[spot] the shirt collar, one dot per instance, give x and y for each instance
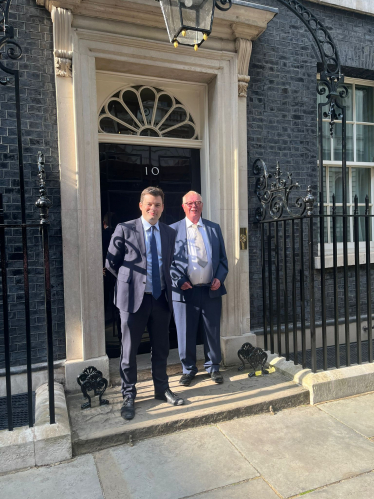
(189, 223)
(147, 225)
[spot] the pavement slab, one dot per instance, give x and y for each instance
(75, 479)
(172, 467)
(360, 487)
(355, 412)
(205, 403)
(300, 450)
(254, 489)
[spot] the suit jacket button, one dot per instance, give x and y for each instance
(144, 282)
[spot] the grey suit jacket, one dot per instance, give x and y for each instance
(179, 267)
(127, 261)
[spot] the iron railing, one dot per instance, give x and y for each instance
(300, 297)
(13, 52)
(43, 204)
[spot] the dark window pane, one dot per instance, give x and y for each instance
(361, 183)
(117, 110)
(181, 132)
(365, 143)
(338, 155)
(148, 99)
(178, 115)
(339, 225)
(326, 143)
(131, 100)
(111, 126)
(164, 104)
(336, 184)
(365, 104)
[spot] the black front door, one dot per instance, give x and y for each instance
(125, 170)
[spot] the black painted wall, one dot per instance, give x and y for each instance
(39, 133)
(282, 115)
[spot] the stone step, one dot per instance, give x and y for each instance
(205, 403)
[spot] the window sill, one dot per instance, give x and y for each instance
(329, 261)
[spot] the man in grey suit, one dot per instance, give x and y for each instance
(198, 272)
(139, 256)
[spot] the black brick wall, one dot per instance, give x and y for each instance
(39, 132)
(282, 116)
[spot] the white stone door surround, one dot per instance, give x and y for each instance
(223, 170)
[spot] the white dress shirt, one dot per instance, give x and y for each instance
(196, 273)
(147, 238)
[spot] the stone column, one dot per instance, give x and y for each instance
(231, 344)
(84, 345)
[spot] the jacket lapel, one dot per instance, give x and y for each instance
(212, 240)
(182, 237)
(138, 229)
(164, 243)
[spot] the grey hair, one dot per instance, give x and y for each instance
(191, 192)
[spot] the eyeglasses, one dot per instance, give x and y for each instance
(192, 203)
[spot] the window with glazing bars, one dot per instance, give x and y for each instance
(360, 157)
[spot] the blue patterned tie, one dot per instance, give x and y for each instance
(156, 281)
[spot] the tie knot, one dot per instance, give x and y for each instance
(194, 226)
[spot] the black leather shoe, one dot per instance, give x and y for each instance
(169, 397)
(216, 377)
(186, 379)
(128, 409)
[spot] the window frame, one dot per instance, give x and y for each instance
(350, 164)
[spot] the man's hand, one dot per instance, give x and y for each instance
(215, 284)
(186, 285)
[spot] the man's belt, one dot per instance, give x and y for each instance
(201, 285)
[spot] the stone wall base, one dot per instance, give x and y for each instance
(230, 346)
(44, 443)
(328, 385)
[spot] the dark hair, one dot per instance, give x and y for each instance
(110, 219)
(154, 191)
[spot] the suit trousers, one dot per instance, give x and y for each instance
(198, 307)
(155, 315)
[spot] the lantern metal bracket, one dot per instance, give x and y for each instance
(12, 48)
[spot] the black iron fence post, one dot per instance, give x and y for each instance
(43, 203)
(5, 317)
(368, 278)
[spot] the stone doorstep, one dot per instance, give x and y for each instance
(205, 403)
(327, 385)
(44, 443)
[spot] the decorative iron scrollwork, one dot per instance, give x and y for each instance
(255, 356)
(91, 379)
(331, 78)
(12, 48)
(43, 203)
(334, 90)
(325, 43)
(275, 195)
(223, 4)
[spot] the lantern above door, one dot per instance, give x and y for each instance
(189, 22)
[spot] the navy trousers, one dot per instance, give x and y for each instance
(155, 315)
(199, 307)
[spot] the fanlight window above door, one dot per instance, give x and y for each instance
(148, 112)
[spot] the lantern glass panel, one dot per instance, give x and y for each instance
(194, 16)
